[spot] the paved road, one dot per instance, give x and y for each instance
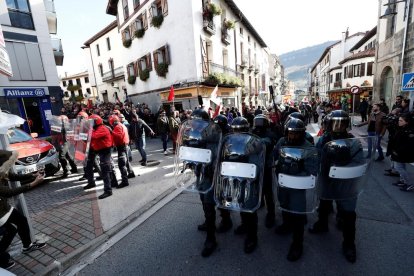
(167, 243)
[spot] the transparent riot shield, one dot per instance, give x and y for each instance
(196, 155)
(57, 132)
(82, 139)
(239, 174)
(296, 170)
(345, 168)
(70, 127)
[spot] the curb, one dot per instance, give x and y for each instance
(57, 267)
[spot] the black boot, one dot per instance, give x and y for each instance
(270, 220)
(226, 224)
(285, 228)
(348, 245)
(202, 227)
(250, 242)
(89, 186)
(210, 246)
(296, 248)
(321, 226)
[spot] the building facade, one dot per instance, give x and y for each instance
(191, 46)
(395, 55)
(78, 88)
(33, 91)
(106, 70)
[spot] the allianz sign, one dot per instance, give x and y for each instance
(24, 92)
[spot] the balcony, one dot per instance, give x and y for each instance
(51, 16)
(209, 26)
(225, 37)
(217, 68)
(113, 74)
(57, 51)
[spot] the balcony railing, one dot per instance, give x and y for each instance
(113, 74)
(57, 51)
(209, 26)
(51, 16)
(217, 68)
(225, 37)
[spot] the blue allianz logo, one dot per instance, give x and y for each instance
(24, 92)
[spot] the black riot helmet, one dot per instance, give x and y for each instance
(337, 121)
(295, 131)
(260, 123)
(200, 113)
(296, 115)
(221, 121)
(240, 124)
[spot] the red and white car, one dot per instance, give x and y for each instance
(34, 154)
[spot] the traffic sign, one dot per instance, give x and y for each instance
(407, 82)
(355, 90)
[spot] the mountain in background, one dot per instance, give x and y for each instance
(297, 63)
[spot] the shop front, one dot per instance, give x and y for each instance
(32, 104)
(346, 99)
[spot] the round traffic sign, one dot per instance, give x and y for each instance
(355, 89)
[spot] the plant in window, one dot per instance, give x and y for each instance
(140, 33)
(229, 24)
(79, 98)
(210, 11)
(162, 69)
(127, 43)
(144, 75)
(157, 20)
(132, 79)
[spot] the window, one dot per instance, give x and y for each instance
(26, 61)
(162, 60)
(390, 29)
(362, 72)
(136, 3)
(20, 14)
(369, 68)
(131, 70)
(248, 38)
(241, 31)
(145, 63)
(111, 64)
(350, 71)
(126, 34)
(100, 69)
(97, 50)
(80, 93)
(357, 70)
(70, 83)
(86, 79)
(78, 82)
(64, 83)
(125, 8)
(88, 90)
(338, 77)
(108, 43)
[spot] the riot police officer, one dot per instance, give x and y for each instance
(293, 200)
(335, 147)
(201, 134)
(248, 220)
(261, 127)
(300, 116)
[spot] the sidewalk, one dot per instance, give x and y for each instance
(73, 221)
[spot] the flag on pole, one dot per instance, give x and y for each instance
(171, 94)
(213, 96)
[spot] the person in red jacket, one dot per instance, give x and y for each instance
(121, 140)
(101, 143)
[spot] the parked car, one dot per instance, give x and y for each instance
(34, 154)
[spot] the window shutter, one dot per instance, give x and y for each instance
(362, 70)
(145, 20)
(167, 54)
(150, 15)
(128, 70)
(345, 73)
(139, 67)
(149, 63)
(155, 55)
(164, 6)
(350, 71)
(369, 68)
(133, 28)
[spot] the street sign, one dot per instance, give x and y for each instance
(407, 82)
(355, 90)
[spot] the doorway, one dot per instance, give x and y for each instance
(387, 83)
(33, 115)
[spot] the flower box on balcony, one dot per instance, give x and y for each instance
(157, 20)
(132, 79)
(144, 75)
(139, 33)
(162, 69)
(127, 43)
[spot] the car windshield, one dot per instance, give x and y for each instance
(17, 136)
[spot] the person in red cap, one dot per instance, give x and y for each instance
(101, 143)
(121, 140)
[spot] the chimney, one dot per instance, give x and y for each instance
(347, 33)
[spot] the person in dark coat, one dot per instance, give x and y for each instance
(363, 109)
(403, 151)
(137, 134)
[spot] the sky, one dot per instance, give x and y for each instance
(284, 25)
